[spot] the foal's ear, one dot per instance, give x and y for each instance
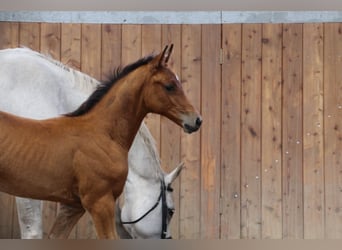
(170, 177)
(163, 57)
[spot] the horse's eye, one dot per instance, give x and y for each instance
(169, 188)
(170, 87)
(171, 211)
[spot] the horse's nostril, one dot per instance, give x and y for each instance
(198, 121)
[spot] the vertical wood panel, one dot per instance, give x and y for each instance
(91, 50)
(131, 47)
(169, 131)
(111, 49)
(29, 35)
(230, 132)
(333, 129)
(210, 131)
(292, 132)
(271, 131)
(190, 210)
(251, 132)
(71, 45)
(50, 39)
(9, 35)
(313, 131)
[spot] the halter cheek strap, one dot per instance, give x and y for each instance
(164, 210)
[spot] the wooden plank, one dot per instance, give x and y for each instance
(9, 35)
(131, 45)
(151, 42)
(111, 49)
(71, 45)
(292, 132)
(230, 132)
(169, 131)
(210, 131)
(271, 131)
(91, 65)
(6, 216)
(333, 129)
(190, 193)
(91, 50)
(50, 38)
(251, 132)
(29, 35)
(313, 162)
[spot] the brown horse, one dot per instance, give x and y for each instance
(80, 159)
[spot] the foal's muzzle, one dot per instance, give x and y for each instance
(193, 126)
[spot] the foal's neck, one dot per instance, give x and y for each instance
(121, 110)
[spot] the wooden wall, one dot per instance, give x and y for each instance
(267, 162)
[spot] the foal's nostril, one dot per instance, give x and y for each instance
(198, 121)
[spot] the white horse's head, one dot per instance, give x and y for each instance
(148, 204)
(155, 208)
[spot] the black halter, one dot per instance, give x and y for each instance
(162, 197)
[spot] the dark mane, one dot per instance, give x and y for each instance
(105, 86)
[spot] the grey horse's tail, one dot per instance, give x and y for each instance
(123, 234)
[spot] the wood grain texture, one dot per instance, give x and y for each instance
(333, 129)
(210, 131)
(9, 35)
(71, 45)
(251, 132)
(271, 171)
(292, 131)
(190, 178)
(313, 152)
(230, 197)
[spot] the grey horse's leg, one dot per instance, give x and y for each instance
(30, 218)
(66, 220)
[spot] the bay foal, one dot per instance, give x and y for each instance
(80, 159)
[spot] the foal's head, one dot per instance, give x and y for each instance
(163, 94)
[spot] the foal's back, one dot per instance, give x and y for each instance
(36, 157)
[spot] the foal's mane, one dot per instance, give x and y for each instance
(105, 86)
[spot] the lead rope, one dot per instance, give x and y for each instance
(145, 214)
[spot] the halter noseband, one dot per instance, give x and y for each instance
(162, 197)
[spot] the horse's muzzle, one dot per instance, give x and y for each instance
(193, 128)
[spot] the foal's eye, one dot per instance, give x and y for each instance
(170, 87)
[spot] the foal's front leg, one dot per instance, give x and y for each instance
(102, 212)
